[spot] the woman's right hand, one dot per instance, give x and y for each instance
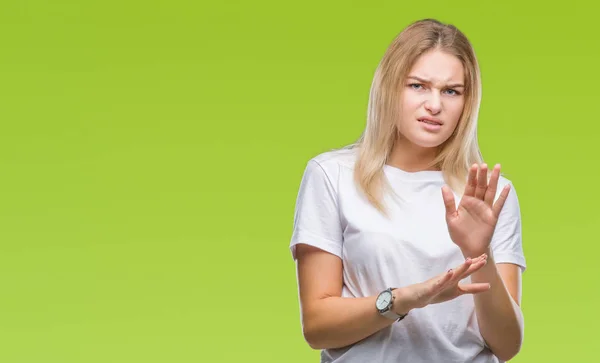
(440, 288)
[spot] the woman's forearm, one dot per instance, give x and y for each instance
(335, 322)
(499, 317)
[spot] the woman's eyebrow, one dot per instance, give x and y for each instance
(455, 85)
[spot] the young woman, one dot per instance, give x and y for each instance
(408, 248)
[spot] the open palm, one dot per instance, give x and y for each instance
(471, 225)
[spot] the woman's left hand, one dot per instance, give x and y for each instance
(472, 224)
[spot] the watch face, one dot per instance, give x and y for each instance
(383, 300)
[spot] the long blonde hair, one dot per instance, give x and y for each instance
(375, 144)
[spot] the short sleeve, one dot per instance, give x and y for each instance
(316, 215)
(506, 242)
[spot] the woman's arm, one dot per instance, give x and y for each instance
(498, 310)
(331, 321)
(480, 222)
(328, 320)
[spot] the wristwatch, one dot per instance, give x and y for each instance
(384, 302)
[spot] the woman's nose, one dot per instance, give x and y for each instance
(433, 103)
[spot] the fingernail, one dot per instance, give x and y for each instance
(468, 259)
(450, 271)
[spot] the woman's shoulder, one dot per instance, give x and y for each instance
(504, 180)
(334, 159)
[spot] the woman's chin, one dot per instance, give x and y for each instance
(429, 141)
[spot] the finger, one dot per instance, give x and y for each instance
(482, 182)
(479, 258)
(483, 255)
(471, 181)
(474, 288)
(490, 194)
(476, 266)
(449, 202)
(439, 283)
(459, 271)
(497, 208)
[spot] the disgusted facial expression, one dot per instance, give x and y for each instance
(432, 100)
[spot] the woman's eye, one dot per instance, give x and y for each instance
(415, 86)
(453, 92)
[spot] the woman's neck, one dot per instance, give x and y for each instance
(410, 157)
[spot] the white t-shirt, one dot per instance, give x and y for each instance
(411, 247)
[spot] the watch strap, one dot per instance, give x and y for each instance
(392, 315)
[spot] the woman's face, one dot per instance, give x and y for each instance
(432, 99)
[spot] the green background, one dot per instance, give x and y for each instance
(151, 153)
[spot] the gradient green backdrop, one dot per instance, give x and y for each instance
(151, 152)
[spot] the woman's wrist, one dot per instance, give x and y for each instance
(477, 253)
(401, 305)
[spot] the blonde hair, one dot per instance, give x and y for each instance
(375, 144)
